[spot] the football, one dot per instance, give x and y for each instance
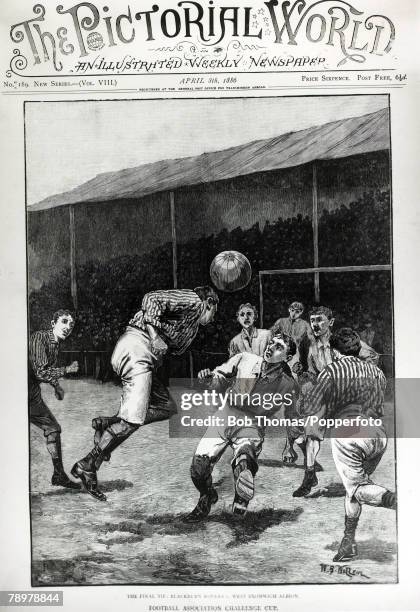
(230, 271)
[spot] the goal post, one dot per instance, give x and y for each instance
(315, 271)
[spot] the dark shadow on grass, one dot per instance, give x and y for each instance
(36, 498)
(334, 489)
(83, 570)
(373, 549)
(179, 569)
(250, 527)
(126, 526)
(279, 464)
(115, 485)
(138, 530)
(174, 524)
(107, 486)
(66, 571)
(59, 492)
(122, 539)
(244, 529)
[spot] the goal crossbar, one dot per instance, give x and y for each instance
(316, 271)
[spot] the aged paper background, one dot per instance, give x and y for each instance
(14, 510)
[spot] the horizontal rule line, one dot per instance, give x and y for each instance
(334, 86)
(67, 91)
(367, 268)
(119, 74)
(34, 92)
(230, 89)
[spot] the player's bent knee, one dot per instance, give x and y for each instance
(201, 467)
(122, 428)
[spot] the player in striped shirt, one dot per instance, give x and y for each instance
(350, 388)
(43, 354)
(167, 323)
(321, 354)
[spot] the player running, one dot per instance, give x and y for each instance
(349, 388)
(321, 354)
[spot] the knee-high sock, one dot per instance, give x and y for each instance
(54, 448)
(201, 471)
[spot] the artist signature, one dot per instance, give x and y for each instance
(344, 570)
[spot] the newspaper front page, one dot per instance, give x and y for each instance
(209, 311)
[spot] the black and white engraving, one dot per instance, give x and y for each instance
(210, 341)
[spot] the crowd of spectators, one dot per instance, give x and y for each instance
(109, 293)
(358, 234)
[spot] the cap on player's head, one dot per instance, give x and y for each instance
(346, 341)
(296, 306)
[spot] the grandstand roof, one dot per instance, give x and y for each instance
(337, 139)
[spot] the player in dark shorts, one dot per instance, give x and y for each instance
(43, 353)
